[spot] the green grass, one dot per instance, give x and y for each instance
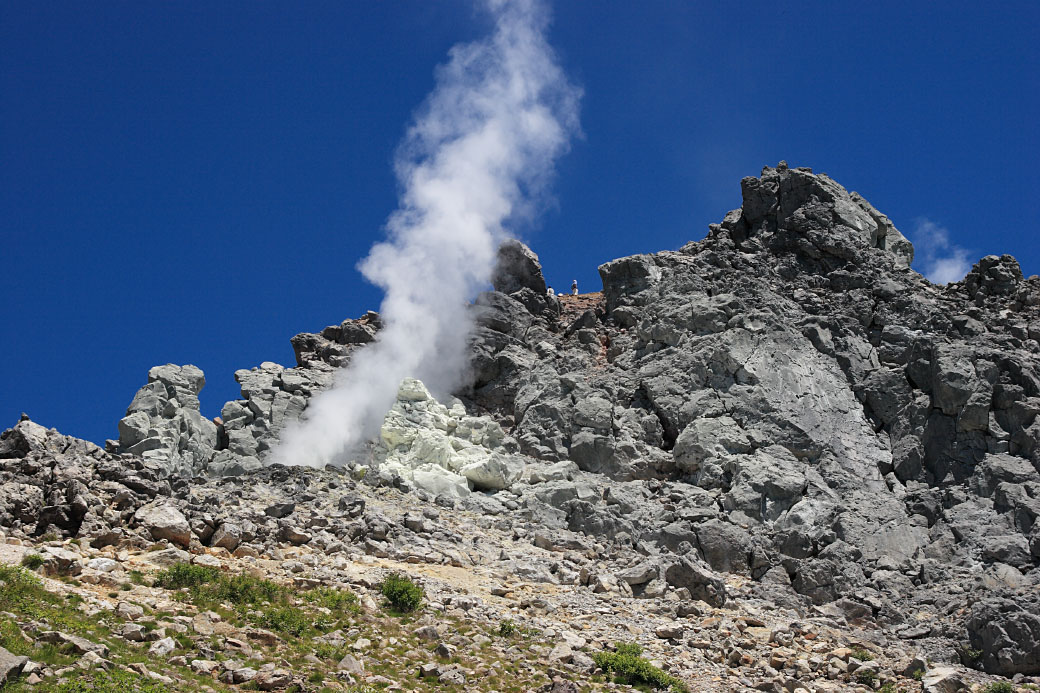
(261, 602)
(327, 651)
(245, 589)
(96, 681)
(209, 586)
(401, 593)
(626, 665)
(21, 592)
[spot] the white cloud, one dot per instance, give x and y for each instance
(936, 257)
(480, 151)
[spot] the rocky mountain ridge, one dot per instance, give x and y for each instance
(785, 406)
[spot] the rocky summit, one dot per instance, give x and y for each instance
(776, 459)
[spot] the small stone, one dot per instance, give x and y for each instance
(351, 665)
(161, 648)
(131, 612)
(670, 631)
(274, 680)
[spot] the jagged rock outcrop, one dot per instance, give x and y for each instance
(784, 400)
(163, 423)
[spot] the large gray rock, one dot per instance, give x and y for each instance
(10, 666)
(517, 268)
(1007, 631)
(163, 422)
(163, 521)
(495, 472)
(699, 579)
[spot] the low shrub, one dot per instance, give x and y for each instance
(626, 665)
(861, 654)
(32, 561)
(333, 599)
(284, 619)
(181, 575)
(401, 593)
(329, 651)
(507, 628)
(245, 589)
(998, 687)
(866, 677)
(208, 585)
(970, 656)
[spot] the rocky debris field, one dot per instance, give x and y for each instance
(499, 611)
(775, 459)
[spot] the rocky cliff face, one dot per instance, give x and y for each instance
(785, 401)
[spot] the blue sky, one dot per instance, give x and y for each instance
(195, 182)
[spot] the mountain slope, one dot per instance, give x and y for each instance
(782, 412)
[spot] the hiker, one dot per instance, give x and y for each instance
(549, 292)
(574, 288)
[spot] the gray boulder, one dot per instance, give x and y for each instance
(1007, 631)
(517, 268)
(10, 666)
(163, 521)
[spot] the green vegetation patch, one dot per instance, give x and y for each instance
(21, 592)
(401, 593)
(284, 619)
(32, 561)
(181, 575)
(866, 677)
(861, 654)
(115, 681)
(627, 666)
(998, 687)
(208, 586)
(261, 602)
(334, 600)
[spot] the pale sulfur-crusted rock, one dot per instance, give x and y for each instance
(442, 450)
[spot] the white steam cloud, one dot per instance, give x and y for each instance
(480, 151)
(940, 260)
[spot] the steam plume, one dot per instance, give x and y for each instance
(480, 151)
